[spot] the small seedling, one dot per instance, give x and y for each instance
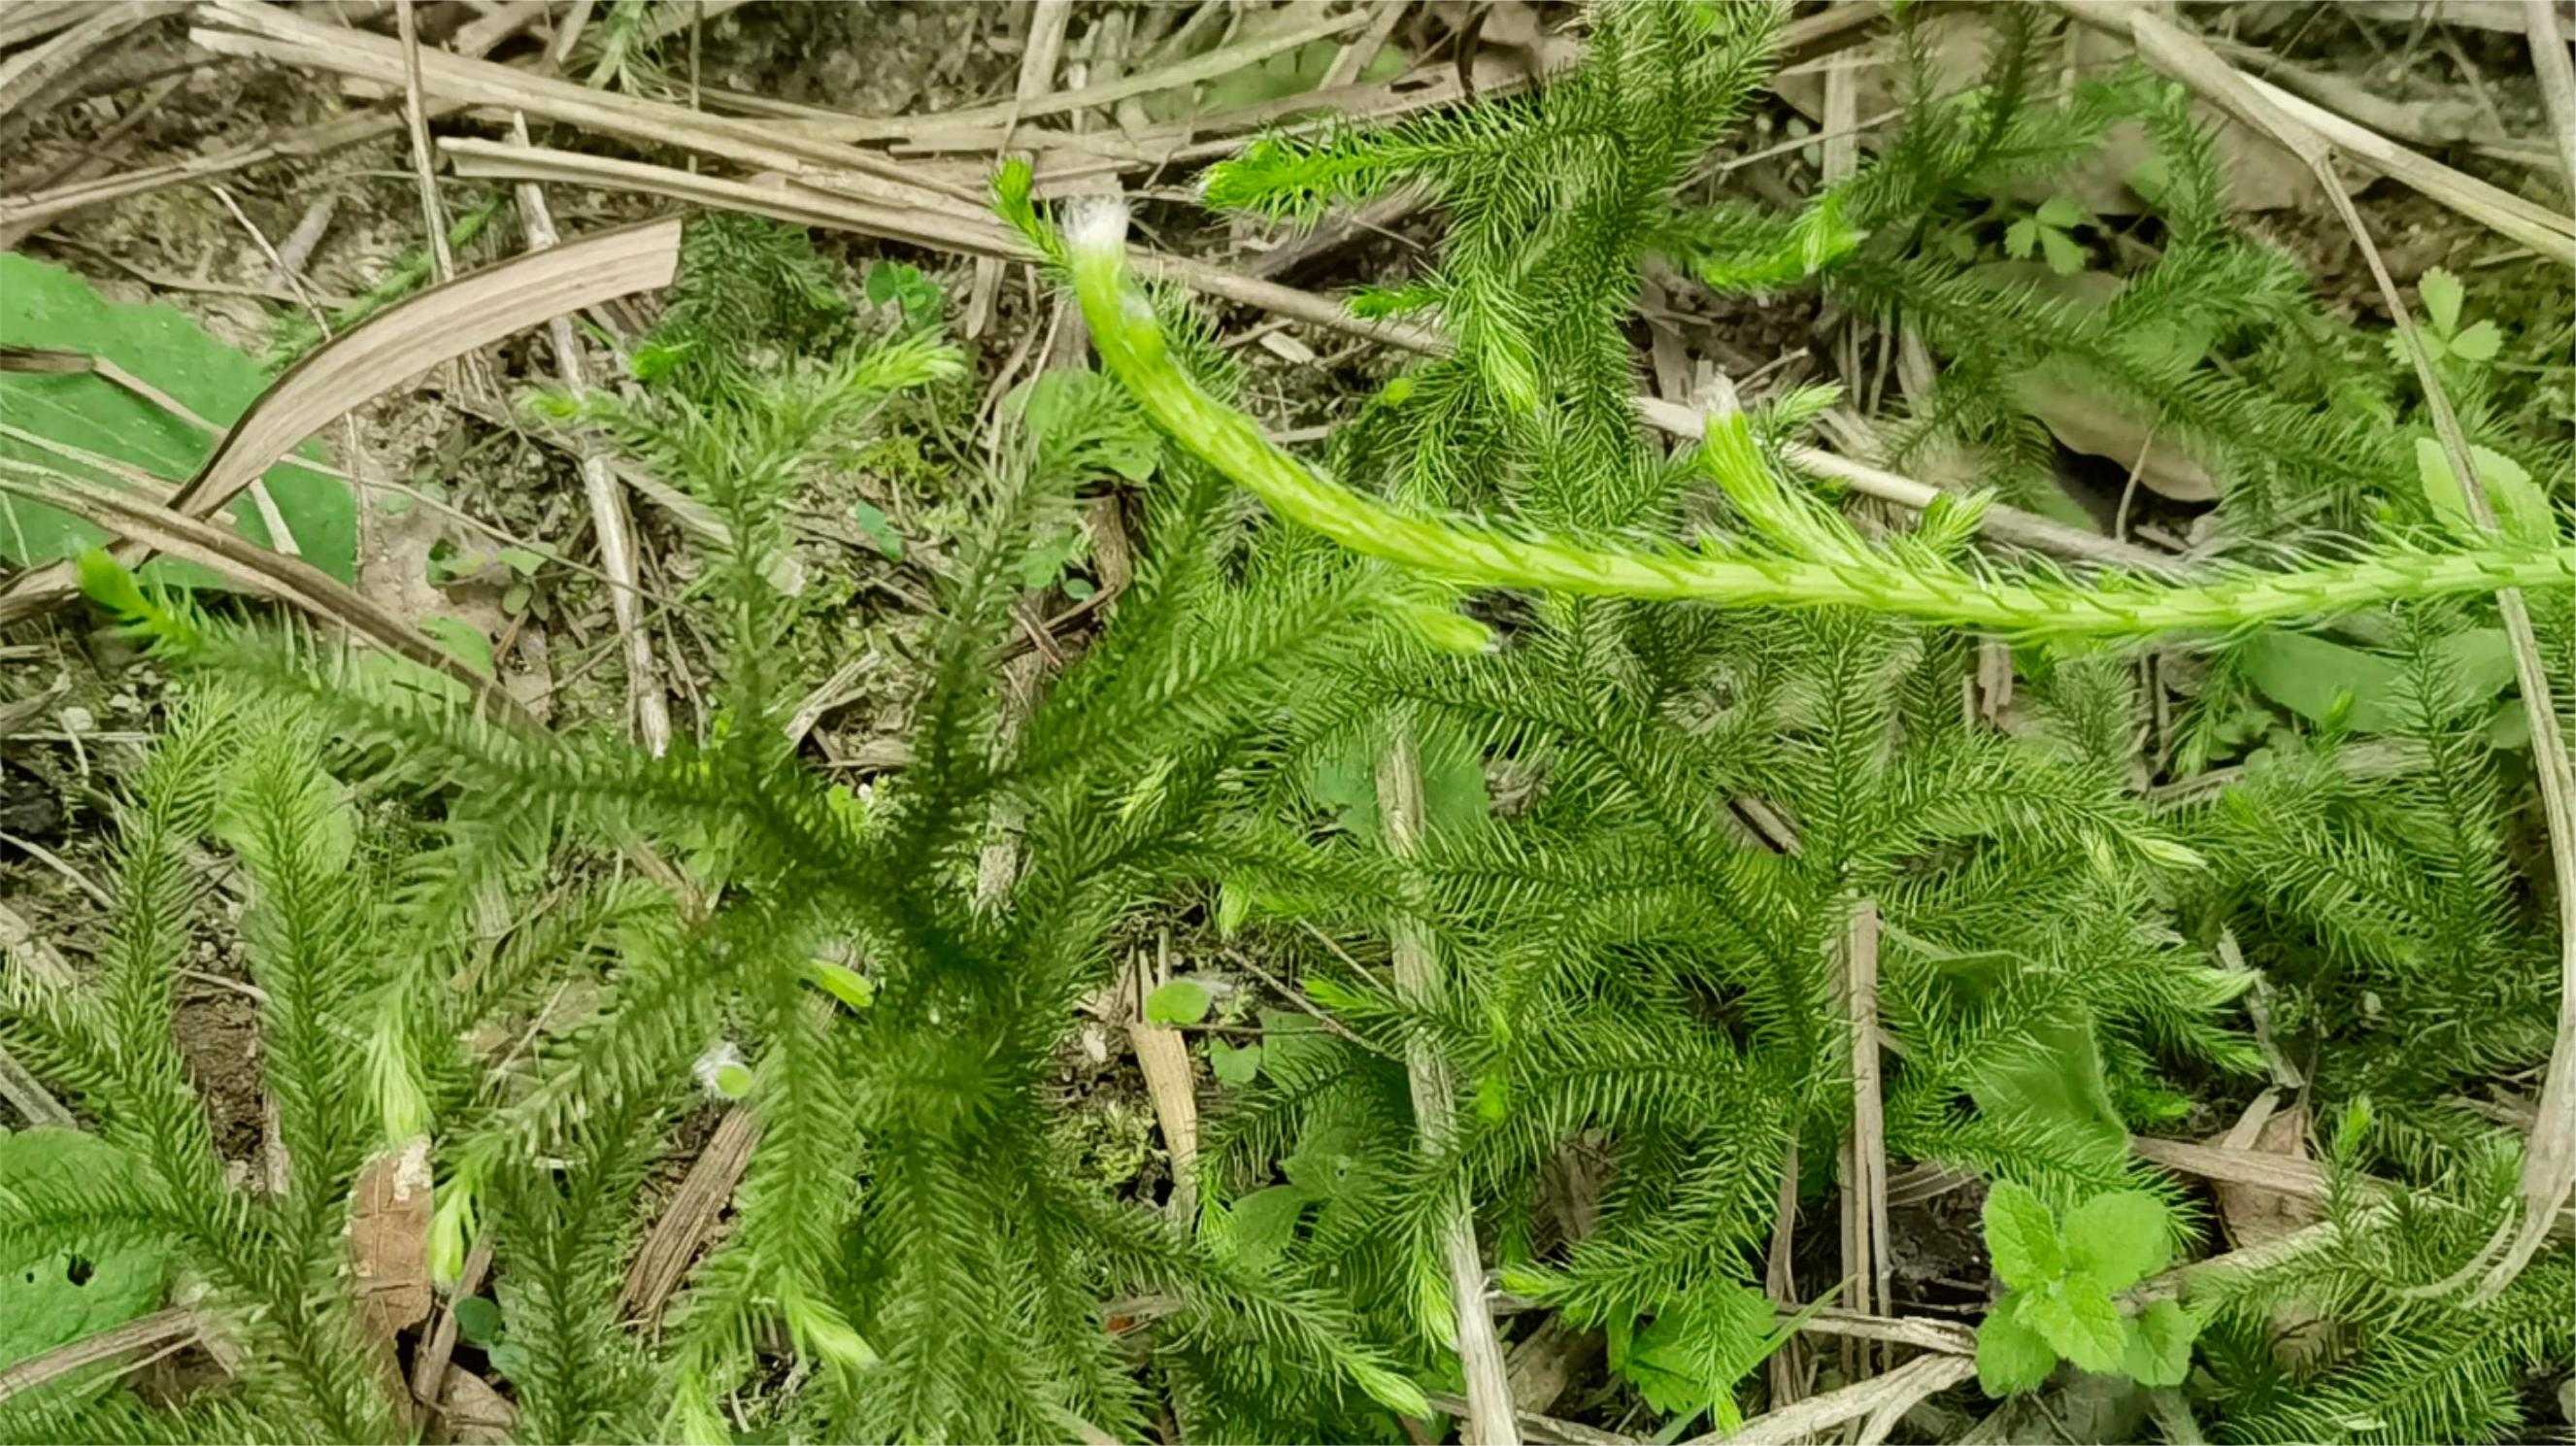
(2046, 231)
(2060, 1282)
(879, 529)
(2476, 343)
(920, 297)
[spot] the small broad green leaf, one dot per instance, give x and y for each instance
(1078, 588)
(462, 641)
(2061, 212)
(68, 1287)
(2064, 256)
(1292, 1037)
(48, 307)
(1388, 1389)
(1046, 558)
(1182, 1001)
(733, 1081)
(2318, 680)
(1265, 1222)
(2151, 177)
(2021, 1238)
(2442, 294)
(515, 598)
(522, 560)
(2021, 238)
(879, 529)
(2011, 1356)
(478, 1319)
(2159, 1350)
(510, 1360)
(2119, 1238)
(2079, 1322)
(842, 982)
(1698, 1347)
(1237, 1066)
(2479, 341)
(2521, 508)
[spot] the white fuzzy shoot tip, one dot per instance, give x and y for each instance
(1096, 223)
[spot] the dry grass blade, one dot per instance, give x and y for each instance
(649, 710)
(663, 1259)
(23, 215)
(989, 127)
(1418, 979)
(781, 199)
(2281, 1174)
(27, 1095)
(401, 341)
(972, 235)
(28, 75)
(2557, 82)
(1945, 1337)
(159, 529)
(2549, 1160)
(2305, 128)
(260, 30)
(161, 1329)
(1880, 1397)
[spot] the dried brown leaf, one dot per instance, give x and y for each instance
(389, 1241)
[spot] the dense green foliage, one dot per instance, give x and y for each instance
(1598, 868)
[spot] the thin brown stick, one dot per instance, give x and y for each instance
(161, 529)
(1865, 1259)
(423, 161)
(1417, 979)
(1899, 1390)
(647, 706)
(398, 342)
(245, 27)
(662, 1261)
(429, 1368)
(1171, 1083)
(161, 1328)
(2549, 1161)
(2557, 81)
(991, 127)
(1779, 1277)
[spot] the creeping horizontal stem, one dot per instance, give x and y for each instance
(1130, 342)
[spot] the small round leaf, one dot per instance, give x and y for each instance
(1180, 1002)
